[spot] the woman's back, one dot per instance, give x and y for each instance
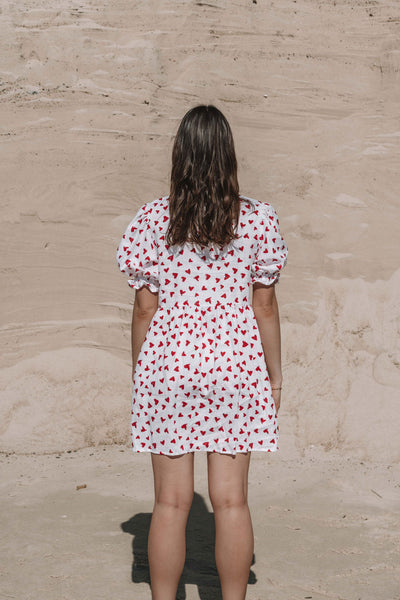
(201, 381)
(202, 276)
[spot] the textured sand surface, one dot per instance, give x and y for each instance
(325, 527)
(90, 97)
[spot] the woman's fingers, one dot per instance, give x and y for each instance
(276, 394)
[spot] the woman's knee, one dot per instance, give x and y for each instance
(222, 497)
(179, 501)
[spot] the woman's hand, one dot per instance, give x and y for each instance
(276, 394)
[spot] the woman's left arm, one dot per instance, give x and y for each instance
(144, 308)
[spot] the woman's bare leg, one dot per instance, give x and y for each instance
(234, 539)
(173, 496)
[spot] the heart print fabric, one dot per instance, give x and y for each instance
(201, 382)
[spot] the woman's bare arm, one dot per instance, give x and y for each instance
(265, 307)
(144, 308)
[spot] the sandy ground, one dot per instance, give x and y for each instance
(325, 527)
(90, 98)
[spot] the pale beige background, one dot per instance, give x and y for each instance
(91, 95)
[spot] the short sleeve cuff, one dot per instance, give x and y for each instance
(265, 279)
(142, 280)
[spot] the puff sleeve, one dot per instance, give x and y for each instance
(137, 253)
(272, 251)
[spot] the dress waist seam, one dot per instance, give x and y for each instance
(207, 305)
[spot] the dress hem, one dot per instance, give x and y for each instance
(149, 450)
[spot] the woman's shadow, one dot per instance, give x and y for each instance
(200, 568)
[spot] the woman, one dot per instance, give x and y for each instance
(206, 360)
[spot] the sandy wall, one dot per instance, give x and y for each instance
(91, 96)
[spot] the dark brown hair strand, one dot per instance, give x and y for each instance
(204, 201)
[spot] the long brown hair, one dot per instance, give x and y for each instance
(204, 201)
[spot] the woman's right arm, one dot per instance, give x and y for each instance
(265, 307)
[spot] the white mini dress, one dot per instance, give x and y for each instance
(201, 382)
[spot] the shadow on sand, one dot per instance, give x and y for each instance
(200, 568)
